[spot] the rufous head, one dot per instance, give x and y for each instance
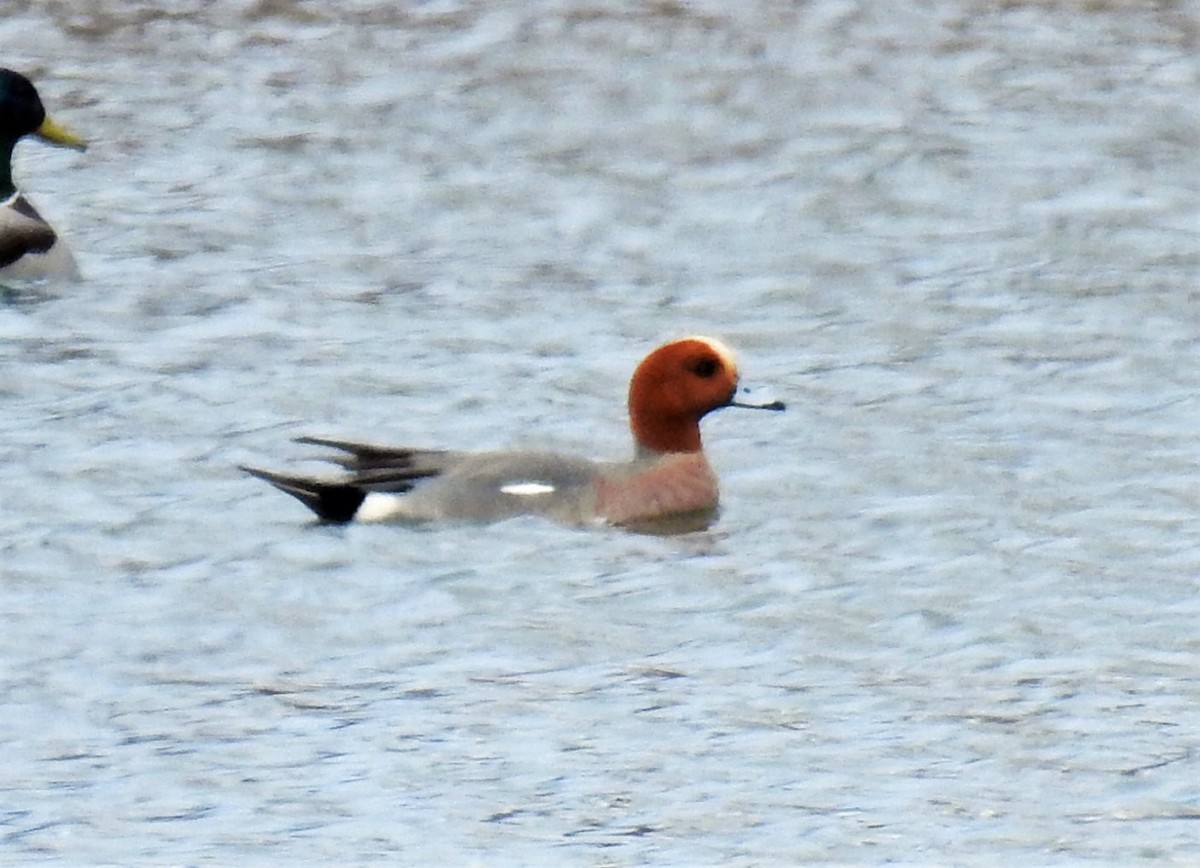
(675, 387)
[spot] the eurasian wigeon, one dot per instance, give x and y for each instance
(29, 247)
(668, 485)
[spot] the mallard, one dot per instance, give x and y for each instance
(29, 248)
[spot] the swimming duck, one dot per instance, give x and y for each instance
(667, 485)
(29, 247)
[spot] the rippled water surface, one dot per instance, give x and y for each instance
(950, 611)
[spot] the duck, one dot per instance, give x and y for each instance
(29, 246)
(667, 485)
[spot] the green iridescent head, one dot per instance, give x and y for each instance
(22, 114)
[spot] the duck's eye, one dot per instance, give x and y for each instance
(705, 368)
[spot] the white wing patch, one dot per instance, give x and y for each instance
(527, 489)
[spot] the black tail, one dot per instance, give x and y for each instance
(332, 501)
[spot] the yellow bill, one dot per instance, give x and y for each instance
(52, 132)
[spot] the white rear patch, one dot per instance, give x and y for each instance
(527, 489)
(378, 506)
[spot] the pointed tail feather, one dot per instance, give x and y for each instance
(359, 456)
(331, 501)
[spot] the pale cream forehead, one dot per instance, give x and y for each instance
(724, 353)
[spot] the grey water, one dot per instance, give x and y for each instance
(949, 614)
